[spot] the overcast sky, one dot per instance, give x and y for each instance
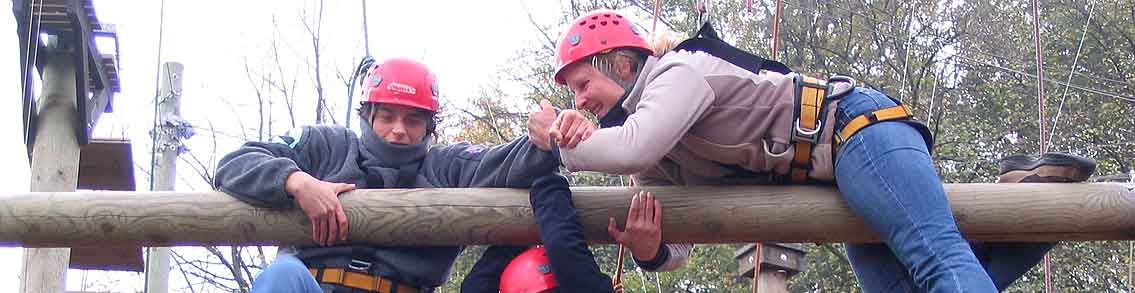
(465, 43)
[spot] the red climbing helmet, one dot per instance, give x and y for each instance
(402, 81)
(529, 272)
(596, 32)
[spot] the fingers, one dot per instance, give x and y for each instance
(343, 187)
(332, 228)
(554, 131)
(576, 134)
(341, 217)
(657, 213)
(320, 225)
(546, 105)
(647, 207)
(635, 210)
(614, 230)
(315, 229)
(590, 130)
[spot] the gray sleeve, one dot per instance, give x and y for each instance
(515, 164)
(674, 99)
(256, 172)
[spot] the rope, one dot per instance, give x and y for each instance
(366, 31)
(33, 51)
(1040, 97)
(906, 59)
(1040, 119)
(657, 11)
(362, 68)
(758, 246)
(757, 254)
(973, 62)
(917, 45)
(157, 101)
(1075, 61)
(775, 31)
(157, 92)
(619, 266)
(356, 77)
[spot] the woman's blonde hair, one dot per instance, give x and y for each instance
(664, 41)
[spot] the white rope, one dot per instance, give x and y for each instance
(33, 51)
(1075, 61)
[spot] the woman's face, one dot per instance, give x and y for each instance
(594, 91)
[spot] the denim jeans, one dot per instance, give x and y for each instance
(887, 177)
(287, 274)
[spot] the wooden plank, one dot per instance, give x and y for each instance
(106, 164)
(738, 214)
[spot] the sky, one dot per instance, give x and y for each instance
(465, 42)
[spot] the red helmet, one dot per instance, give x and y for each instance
(402, 81)
(595, 32)
(529, 272)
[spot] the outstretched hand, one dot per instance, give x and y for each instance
(643, 230)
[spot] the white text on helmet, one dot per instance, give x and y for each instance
(401, 88)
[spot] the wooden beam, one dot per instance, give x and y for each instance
(740, 214)
(54, 166)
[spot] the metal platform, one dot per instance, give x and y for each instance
(70, 27)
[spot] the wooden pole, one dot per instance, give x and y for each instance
(737, 214)
(54, 168)
(165, 166)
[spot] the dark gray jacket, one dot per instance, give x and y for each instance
(256, 172)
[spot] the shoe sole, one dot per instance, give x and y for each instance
(1086, 167)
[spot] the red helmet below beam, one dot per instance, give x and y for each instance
(529, 272)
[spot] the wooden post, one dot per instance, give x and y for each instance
(777, 263)
(449, 216)
(54, 166)
(166, 149)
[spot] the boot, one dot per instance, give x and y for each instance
(1050, 167)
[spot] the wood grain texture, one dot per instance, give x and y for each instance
(988, 212)
(54, 166)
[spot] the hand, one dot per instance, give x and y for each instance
(571, 128)
(643, 234)
(539, 125)
(320, 201)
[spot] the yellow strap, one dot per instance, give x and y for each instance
(812, 92)
(861, 121)
(359, 281)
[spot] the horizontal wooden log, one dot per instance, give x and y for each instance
(987, 212)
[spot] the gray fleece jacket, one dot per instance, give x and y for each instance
(256, 172)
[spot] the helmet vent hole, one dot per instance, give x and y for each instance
(616, 22)
(595, 17)
(603, 23)
(591, 26)
(607, 15)
(619, 16)
(583, 22)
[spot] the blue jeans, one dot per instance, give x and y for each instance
(286, 274)
(887, 177)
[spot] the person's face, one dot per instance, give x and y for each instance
(399, 124)
(594, 91)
